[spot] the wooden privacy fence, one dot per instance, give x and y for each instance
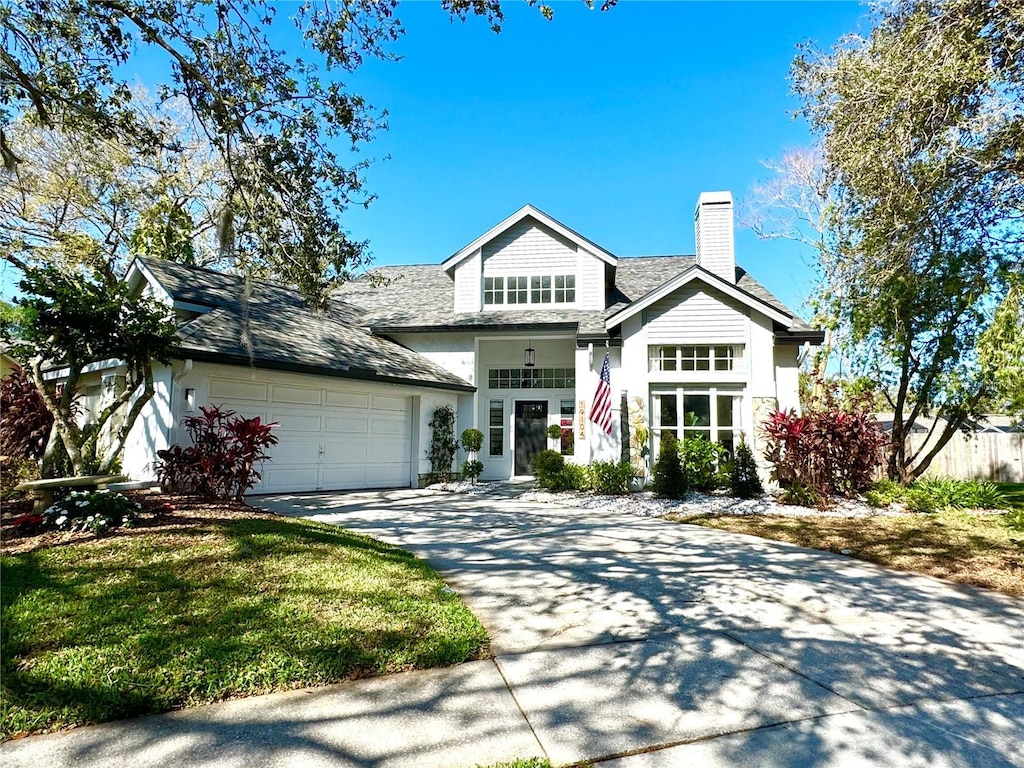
(992, 456)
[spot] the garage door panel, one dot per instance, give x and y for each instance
(294, 451)
(347, 424)
(384, 452)
(347, 399)
(298, 395)
(344, 477)
(386, 427)
(296, 422)
(237, 390)
(281, 478)
(387, 475)
(389, 403)
(346, 450)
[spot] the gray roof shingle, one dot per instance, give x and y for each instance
(421, 298)
(274, 328)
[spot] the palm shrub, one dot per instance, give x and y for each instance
(744, 482)
(669, 479)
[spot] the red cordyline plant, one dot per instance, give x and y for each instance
(25, 422)
(221, 462)
(832, 450)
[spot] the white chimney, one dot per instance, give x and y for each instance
(716, 251)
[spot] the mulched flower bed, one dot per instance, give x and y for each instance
(20, 532)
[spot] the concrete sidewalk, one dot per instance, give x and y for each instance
(630, 641)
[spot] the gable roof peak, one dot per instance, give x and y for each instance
(528, 211)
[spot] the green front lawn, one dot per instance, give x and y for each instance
(212, 606)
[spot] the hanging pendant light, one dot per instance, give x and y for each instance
(530, 356)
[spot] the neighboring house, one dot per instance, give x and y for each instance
(511, 331)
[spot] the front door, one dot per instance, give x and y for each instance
(531, 424)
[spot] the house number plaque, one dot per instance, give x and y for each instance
(583, 419)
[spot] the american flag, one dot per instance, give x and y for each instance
(601, 410)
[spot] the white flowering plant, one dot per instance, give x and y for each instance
(96, 511)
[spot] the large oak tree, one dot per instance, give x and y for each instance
(922, 127)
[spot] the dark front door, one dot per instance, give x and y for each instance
(531, 423)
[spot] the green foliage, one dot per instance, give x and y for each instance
(931, 494)
(801, 495)
(921, 126)
(571, 477)
(471, 470)
(744, 482)
(95, 511)
(610, 478)
(669, 479)
(701, 459)
(554, 432)
(156, 625)
(920, 500)
(885, 492)
(472, 439)
(442, 442)
(546, 465)
(74, 320)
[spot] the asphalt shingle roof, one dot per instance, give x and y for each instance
(421, 297)
(273, 327)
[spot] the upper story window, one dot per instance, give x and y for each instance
(533, 289)
(696, 358)
(494, 290)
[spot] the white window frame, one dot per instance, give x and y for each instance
(695, 358)
(713, 430)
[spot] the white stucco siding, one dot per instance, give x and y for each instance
(152, 430)
(787, 376)
(696, 314)
(468, 296)
(529, 248)
(455, 352)
(761, 354)
(590, 288)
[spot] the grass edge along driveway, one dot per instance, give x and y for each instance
(209, 608)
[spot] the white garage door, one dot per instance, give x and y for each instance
(331, 437)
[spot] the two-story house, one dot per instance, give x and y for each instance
(511, 331)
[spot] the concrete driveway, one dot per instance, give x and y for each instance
(636, 642)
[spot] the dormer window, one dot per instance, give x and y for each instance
(494, 290)
(532, 289)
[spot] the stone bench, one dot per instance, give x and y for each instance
(42, 490)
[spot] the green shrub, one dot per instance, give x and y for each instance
(701, 459)
(744, 482)
(1015, 518)
(947, 493)
(610, 478)
(920, 500)
(801, 495)
(554, 432)
(571, 477)
(546, 464)
(669, 478)
(471, 470)
(95, 511)
(472, 439)
(884, 493)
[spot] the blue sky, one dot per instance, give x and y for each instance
(613, 123)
